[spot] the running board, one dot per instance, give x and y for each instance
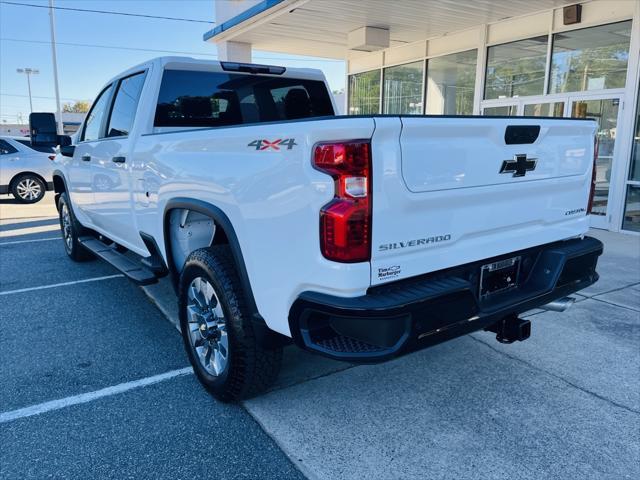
(136, 272)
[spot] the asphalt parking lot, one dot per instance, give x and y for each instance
(94, 384)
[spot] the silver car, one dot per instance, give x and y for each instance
(25, 171)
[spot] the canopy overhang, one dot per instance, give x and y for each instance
(322, 27)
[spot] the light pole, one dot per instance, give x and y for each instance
(52, 20)
(28, 72)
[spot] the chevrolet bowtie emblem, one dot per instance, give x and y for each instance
(519, 166)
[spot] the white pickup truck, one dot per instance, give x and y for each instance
(356, 237)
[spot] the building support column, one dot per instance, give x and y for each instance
(234, 52)
(481, 63)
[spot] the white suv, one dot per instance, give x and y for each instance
(26, 171)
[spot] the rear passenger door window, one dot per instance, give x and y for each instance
(125, 105)
(94, 123)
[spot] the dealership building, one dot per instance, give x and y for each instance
(472, 57)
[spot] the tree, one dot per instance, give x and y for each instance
(81, 106)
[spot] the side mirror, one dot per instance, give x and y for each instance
(66, 149)
(43, 129)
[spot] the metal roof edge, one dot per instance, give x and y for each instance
(241, 17)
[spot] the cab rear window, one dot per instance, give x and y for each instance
(216, 99)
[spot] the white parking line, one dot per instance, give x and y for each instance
(90, 396)
(9, 221)
(63, 284)
(29, 241)
(18, 232)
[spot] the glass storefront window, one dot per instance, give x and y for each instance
(516, 69)
(632, 206)
(605, 112)
(402, 92)
(450, 83)
(634, 168)
(632, 209)
(364, 93)
(549, 109)
(590, 58)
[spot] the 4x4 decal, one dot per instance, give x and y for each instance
(273, 144)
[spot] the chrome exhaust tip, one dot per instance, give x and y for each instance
(559, 305)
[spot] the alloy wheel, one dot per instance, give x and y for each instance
(207, 327)
(67, 233)
(28, 189)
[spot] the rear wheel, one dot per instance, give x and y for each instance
(217, 330)
(28, 188)
(71, 230)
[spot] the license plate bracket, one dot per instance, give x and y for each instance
(499, 276)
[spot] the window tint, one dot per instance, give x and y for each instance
(37, 148)
(6, 148)
(208, 99)
(93, 124)
(125, 104)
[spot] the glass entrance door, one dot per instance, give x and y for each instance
(544, 109)
(507, 110)
(606, 112)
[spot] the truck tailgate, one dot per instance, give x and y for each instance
(463, 189)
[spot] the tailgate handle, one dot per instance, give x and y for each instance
(521, 134)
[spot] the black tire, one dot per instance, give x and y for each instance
(75, 251)
(28, 188)
(250, 369)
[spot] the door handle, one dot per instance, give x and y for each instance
(118, 159)
(86, 158)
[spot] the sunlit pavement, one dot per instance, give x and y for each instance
(563, 404)
(70, 332)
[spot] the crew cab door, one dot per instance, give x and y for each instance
(112, 209)
(87, 152)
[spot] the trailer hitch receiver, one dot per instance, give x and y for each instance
(510, 329)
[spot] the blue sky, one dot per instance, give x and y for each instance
(25, 37)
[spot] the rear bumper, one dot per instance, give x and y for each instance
(407, 315)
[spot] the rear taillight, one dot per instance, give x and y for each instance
(52, 157)
(345, 222)
(592, 191)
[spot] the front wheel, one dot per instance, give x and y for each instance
(71, 230)
(28, 188)
(217, 330)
